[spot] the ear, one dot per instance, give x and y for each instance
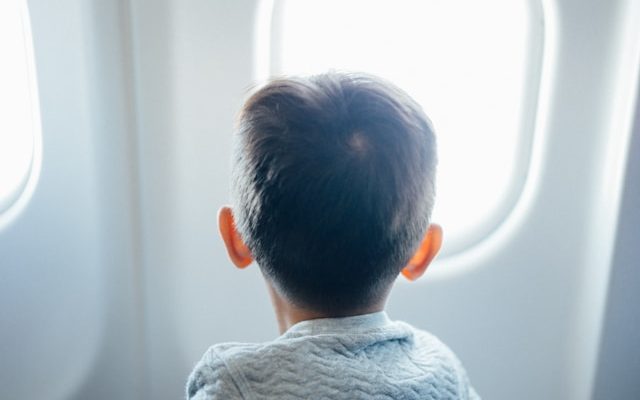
(427, 251)
(237, 250)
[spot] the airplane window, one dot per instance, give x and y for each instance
(473, 65)
(19, 112)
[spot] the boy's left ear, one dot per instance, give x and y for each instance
(427, 251)
(238, 252)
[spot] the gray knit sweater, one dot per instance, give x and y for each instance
(361, 357)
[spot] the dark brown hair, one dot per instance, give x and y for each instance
(333, 186)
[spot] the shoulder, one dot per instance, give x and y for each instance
(213, 377)
(438, 360)
(250, 370)
(429, 345)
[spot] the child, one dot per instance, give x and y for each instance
(333, 190)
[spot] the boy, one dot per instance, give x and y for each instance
(333, 190)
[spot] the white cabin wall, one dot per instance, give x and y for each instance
(119, 369)
(68, 302)
(619, 356)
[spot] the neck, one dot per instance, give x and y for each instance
(288, 314)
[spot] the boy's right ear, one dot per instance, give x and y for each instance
(238, 252)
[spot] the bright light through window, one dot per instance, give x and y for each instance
(473, 65)
(19, 111)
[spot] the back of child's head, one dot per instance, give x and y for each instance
(333, 186)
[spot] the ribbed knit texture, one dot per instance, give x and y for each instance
(361, 357)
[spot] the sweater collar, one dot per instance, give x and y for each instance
(353, 324)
